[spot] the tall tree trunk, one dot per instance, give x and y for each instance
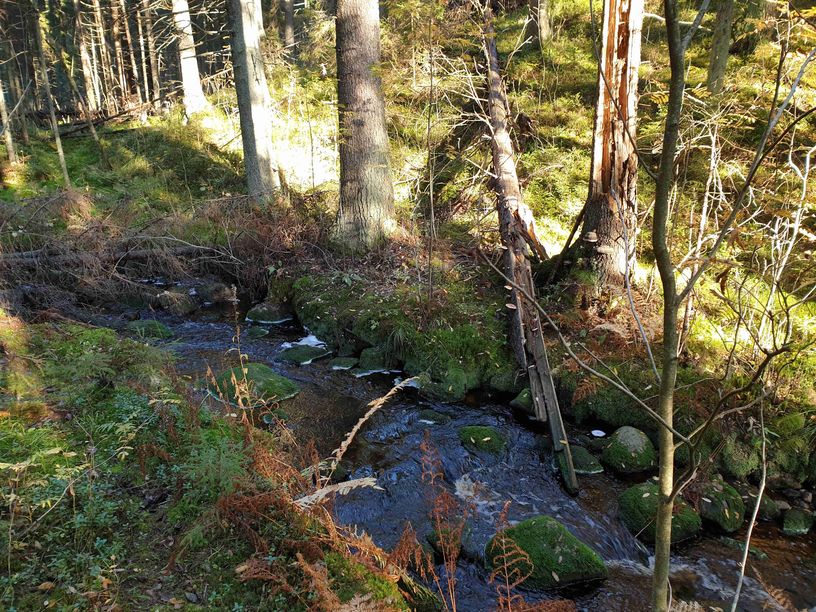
(106, 64)
(289, 26)
(539, 27)
(84, 57)
(142, 54)
(19, 92)
(720, 43)
(668, 371)
(46, 85)
(155, 79)
(134, 65)
(253, 98)
(4, 116)
(610, 220)
(366, 213)
(116, 34)
(194, 100)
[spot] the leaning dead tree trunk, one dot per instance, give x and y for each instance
(526, 334)
(610, 219)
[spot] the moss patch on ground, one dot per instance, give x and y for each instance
(558, 558)
(637, 508)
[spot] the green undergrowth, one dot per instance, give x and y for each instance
(112, 479)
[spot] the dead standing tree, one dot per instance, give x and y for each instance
(518, 231)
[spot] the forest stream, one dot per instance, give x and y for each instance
(388, 448)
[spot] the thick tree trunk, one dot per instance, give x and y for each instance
(156, 94)
(46, 85)
(134, 65)
(610, 220)
(526, 330)
(720, 43)
(366, 213)
(539, 27)
(253, 98)
(194, 100)
(4, 116)
(289, 26)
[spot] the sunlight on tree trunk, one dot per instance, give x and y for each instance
(254, 104)
(720, 44)
(610, 220)
(289, 26)
(194, 100)
(366, 214)
(539, 28)
(6, 127)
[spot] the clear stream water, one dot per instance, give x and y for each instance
(389, 449)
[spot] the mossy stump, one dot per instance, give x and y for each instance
(557, 558)
(484, 439)
(637, 507)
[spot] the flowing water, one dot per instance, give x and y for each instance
(388, 448)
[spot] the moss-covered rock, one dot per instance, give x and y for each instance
(375, 359)
(637, 507)
(523, 401)
(558, 558)
(629, 451)
(262, 384)
(738, 459)
(483, 439)
(585, 462)
(721, 505)
(507, 380)
(149, 328)
(348, 578)
(768, 508)
(755, 552)
(797, 521)
(270, 313)
(343, 363)
(255, 332)
(303, 354)
(181, 304)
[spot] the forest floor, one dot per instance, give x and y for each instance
(123, 491)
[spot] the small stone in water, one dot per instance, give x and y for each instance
(598, 433)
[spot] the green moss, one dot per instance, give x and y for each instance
(585, 462)
(302, 354)
(558, 558)
(797, 521)
(629, 451)
(768, 508)
(739, 459)
(755, 552)
(270, 313)
(149, 328)
(483, 439)
(343, 363)
(256, 332)
(523, 401)
(637, 508)
(349, 578)
(375, 359)
(721, 505)
(263, 384)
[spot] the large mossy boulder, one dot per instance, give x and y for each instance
(629, 451)
(303, 354)
(480, 438)
(738, 459)
(637, 507)
(558, 559)
(262, 384)
(149, 328)
(721, 505)
(797, 521)
(270, 313)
